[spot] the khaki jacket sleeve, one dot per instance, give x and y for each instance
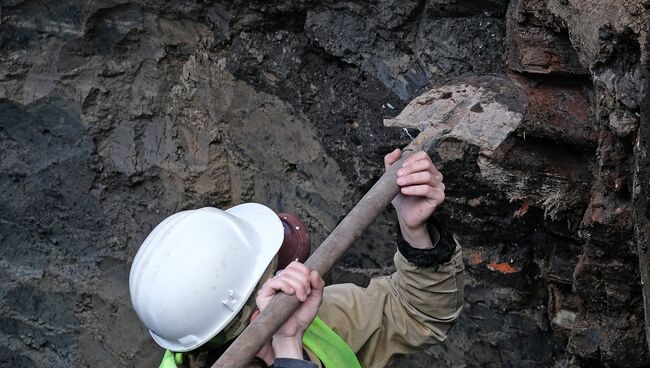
(407, 311)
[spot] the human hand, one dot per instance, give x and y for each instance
(307, 285)
(421, 192)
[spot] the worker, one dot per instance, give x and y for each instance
(201, 276)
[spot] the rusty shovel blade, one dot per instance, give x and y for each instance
(480, 110)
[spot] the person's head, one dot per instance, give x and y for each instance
(192, 279)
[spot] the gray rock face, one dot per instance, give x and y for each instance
(114, 115)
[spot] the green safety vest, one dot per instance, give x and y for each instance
(170, 360)
(328, 346)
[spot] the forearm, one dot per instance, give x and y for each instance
(430, 280)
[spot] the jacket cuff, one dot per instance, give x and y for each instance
(442, 251)
(293, 363)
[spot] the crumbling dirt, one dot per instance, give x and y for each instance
(114, 115)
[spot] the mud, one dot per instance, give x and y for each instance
(114, 115)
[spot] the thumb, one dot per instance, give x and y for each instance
(317, 286)
(390, 158)
(256, 313)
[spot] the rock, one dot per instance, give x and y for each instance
(559, 111)
(407, 60)
(623, 123)
(609, 40)
(115, 115)
(536, 42)
(640, 195)
(565, 319)
(601, 340)
(598, 29)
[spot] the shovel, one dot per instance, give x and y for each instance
(482, 111)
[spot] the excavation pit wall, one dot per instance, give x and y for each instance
(116, 115)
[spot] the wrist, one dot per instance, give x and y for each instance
(287, 347)
(417, 236)
(266, 354)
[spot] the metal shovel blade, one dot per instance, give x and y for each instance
(480, 110)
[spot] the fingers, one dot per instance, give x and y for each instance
(419, 170)
(417, 156)
(420, 178)
(299, 282)
(271, 287)
(299, 267)
(436, 194)
(422, 164)
(296, 280)
(390, 158)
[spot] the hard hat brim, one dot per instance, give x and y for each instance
(173, 346)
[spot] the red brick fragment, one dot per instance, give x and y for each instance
(503, 267)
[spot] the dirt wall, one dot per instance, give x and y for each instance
(115, 114)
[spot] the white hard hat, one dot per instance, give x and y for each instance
(197, 268)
